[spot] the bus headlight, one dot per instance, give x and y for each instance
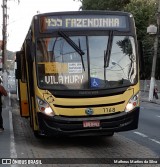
(44, 107)
(132, 103)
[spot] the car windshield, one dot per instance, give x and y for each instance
(60, 66)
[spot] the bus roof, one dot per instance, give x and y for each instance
(85, 12)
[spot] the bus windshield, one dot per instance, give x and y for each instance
(61, 67)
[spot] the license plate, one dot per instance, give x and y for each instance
(91, 124)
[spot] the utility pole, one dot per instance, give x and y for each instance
(152, 82)
(4, 33)
(4, 43)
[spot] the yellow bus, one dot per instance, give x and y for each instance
(78, 73)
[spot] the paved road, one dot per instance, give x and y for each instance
(148, 133)
(23, 144)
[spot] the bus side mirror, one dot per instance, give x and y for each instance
(18, 62)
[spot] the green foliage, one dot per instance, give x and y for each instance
(144, 12)
(104, 4)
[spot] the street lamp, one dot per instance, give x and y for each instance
(153, 30)
(115, 63)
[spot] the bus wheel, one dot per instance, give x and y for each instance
(37, 134)
(110, 134)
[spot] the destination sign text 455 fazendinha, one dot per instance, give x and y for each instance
(84, 21)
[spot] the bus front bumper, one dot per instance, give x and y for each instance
(73, 126)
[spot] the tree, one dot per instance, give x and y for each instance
(103, 4)
(144, 12)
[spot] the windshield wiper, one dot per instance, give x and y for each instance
(74, 45)
(107, 52)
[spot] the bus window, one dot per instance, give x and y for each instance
(122, 65)
(64, 68)
(97, 47)
(66, 65)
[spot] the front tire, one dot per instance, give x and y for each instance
(110, 134)
(38, 135)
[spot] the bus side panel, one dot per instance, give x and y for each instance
(23, 100)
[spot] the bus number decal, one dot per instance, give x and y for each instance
(109, 110)
(53, 22)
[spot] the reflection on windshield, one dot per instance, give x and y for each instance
(122, 65)
(59, 65)
(63, 68)
(74, 45)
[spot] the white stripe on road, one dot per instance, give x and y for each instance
(141, 134)
(158, 116)
(156, 141)
(13, 153)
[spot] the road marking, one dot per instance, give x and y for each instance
(13, 153)
(156, 141)
(158, 116)
(141, 134)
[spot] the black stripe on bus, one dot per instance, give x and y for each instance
(88, 106)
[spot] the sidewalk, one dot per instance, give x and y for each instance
(144, 91)
(6, 134)
(144, 96)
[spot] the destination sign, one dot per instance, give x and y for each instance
(48, 23)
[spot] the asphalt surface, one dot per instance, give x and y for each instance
(8, 149)
(148, 133)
